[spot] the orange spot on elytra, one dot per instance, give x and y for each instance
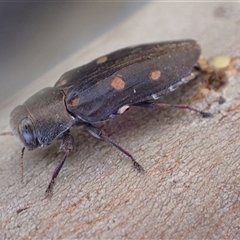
(74, 102)
(155, 75)
(118, 83)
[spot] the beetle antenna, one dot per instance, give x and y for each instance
(21, 163)
(22, 153)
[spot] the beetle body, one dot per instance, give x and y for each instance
(101, 90)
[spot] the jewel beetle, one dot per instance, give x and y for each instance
(102, 90)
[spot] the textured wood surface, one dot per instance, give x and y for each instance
(191, 185)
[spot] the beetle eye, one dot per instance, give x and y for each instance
(28, 134)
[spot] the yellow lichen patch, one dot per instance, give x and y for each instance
(155, 75)
(222, 65)
(220, 62)
(102, 60)
(118, 83)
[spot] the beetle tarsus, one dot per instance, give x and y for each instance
(138, 166)
(50, 187)
(98, 133)
(205, 114)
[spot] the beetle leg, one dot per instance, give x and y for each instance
(66, 146)
(167, 105)
(98, 133)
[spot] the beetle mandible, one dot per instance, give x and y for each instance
(102, 90)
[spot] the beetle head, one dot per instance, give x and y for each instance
(23, 127)
(41, 119)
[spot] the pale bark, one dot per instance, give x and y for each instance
(190, 189)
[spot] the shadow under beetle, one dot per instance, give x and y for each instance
(102, 90)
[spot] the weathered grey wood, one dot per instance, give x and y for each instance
(191, 185)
